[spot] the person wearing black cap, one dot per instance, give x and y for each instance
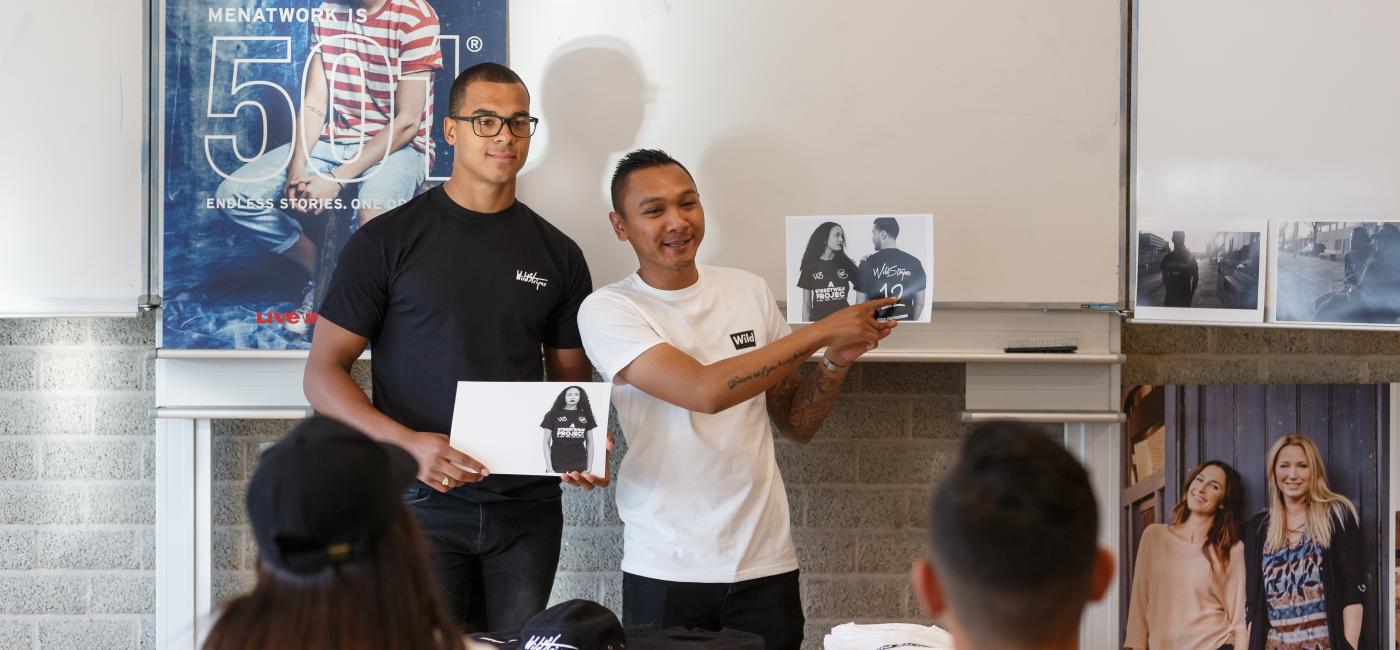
(341, 563)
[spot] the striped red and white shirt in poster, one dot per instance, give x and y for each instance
(364, 59)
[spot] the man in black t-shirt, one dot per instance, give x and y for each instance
(890, 272)
(463, 282)
(1179, 273)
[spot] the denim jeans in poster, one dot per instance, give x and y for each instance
(495, 561)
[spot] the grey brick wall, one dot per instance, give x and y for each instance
(1181, 354)
(77, 503)
(856, 493)
(77, 483)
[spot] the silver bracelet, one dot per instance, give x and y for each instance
(829, 365)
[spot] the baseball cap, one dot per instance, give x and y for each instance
(324, 494)
(581, 624)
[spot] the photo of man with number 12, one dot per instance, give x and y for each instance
(891, 272)
(367, 99)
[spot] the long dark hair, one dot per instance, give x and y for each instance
(583, 406)
(1226, 522)
(386, 599)
(816, 245)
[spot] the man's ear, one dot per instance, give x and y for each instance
(619, 225)
(926, 585)
(449, 130)
(1104, 566)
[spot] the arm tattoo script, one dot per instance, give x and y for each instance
(734, 382)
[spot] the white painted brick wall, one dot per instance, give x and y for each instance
(77, 482)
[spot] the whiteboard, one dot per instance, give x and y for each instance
(1283, 110)
(73, 181)
(1002, 119)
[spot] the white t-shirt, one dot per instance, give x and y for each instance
(700, 495)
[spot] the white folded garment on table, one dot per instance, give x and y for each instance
(886, 636)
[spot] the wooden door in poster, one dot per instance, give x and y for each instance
(1238, 424)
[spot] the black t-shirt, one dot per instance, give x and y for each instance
(892, 272)
(568, 433)
(830, 283)
(445, 294)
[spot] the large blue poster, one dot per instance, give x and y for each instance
(287, 124)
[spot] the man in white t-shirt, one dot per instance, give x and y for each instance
(701, 359)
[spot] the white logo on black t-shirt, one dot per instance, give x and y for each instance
(841, 273)
(817, 275)
(532, 278)
(892, 271)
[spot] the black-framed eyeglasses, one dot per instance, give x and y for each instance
(489, 126)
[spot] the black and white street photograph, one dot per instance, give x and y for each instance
(1337, 272)
(1189, 272)
(837, 261)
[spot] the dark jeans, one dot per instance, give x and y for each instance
(770, 607)
(494, 562)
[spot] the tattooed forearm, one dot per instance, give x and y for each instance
(813, 401)
(734, 382)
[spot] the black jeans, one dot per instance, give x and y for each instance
(770, 607)
(494, 562)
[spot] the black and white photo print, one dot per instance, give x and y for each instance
(1190, 271)
(837, 261)
(567, 443)
(1337, 272)
(533, 428)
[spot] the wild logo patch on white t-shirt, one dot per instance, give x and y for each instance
(745, 339)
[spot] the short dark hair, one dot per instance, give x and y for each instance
(488, 72)
(1013, 533)
(637, 160)
(888, 226)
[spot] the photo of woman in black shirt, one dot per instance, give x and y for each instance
(568, 431)
(826, 273)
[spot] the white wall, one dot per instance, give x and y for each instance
(1001, 118)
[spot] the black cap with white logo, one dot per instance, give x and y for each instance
(570, 625)
(325, 493)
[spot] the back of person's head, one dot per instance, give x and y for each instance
(341, 563)
(1013, 542)
(888, 225)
